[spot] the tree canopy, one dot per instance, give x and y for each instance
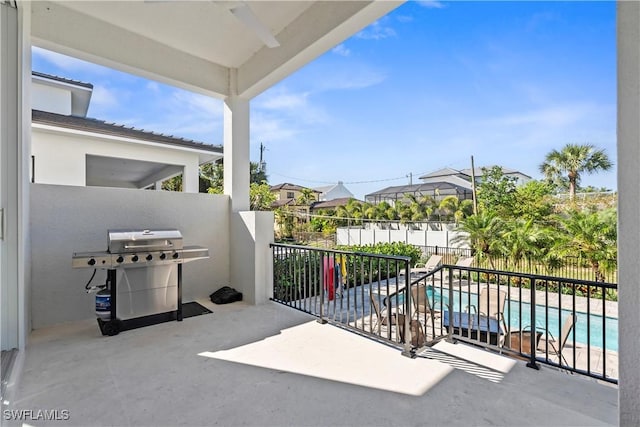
(571, 162)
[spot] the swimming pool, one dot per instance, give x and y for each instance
(514, 308)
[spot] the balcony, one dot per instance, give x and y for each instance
(273, 365)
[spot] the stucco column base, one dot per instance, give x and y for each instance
(251, 260)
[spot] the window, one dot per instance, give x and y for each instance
(290, 195)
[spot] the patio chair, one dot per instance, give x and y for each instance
(432, 262)
(462, 262)
(382, 316)
(491, 304)
(422, 308)
(420, 302)
(558, 345)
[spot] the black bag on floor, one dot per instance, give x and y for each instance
(225, 295)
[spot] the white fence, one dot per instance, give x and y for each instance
(360, 236)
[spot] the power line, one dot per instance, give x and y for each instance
(333, 182)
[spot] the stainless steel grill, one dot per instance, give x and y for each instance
(140, 248)
(144, 276)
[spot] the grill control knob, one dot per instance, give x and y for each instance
(135, 258)
(149, 257)
(92, 261)
(119, 259)
(163, 255)
(175, 255)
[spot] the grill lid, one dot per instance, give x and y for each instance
(124, 241)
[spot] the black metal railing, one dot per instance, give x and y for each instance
(571, 267)
(567, 323)
(360, 291)
(575, 321)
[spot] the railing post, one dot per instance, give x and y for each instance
(323, 255)
(533, 344)
(450, 306)
(408, 350)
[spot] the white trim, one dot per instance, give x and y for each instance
(63, 130)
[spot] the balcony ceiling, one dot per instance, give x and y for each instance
(199, 45)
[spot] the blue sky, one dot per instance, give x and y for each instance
(425, 87)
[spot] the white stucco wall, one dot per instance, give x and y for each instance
(52, 99)
(66, 219)
(60, 157)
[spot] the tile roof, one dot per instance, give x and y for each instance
(288, 186)
(331, 203)
(102, 127)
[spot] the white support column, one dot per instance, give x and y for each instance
(628, 32)
(15, 136)
(236, 150)
(190, 182)
(250, 261)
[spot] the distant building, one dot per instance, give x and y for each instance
(440, 184)
(288, 194)
(522, 178)
(334, 191)
(332, 204)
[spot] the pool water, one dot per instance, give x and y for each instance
(513, 308)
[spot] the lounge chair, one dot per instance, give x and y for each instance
(491, 304)
(557, 346)
(420, 301)
(422, 308)
(432, 262)
(461, 263)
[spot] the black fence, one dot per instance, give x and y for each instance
(571, 267)
(568, 323)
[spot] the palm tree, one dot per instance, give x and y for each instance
(591, 236)
(572, 161)
(456, 209)
(483, 233)
(523, 238)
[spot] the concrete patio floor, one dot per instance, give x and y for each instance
(270, 365)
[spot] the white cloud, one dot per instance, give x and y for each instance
(103, 98)
(341, 50)
(185, 114)
(282, 100)
(404, 18)
(355, 76)
(153, 86)
(552, 116)
(431, 4)
(376, 31)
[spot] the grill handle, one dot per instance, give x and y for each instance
(169, 245)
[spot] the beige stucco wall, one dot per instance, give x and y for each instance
(66, 219)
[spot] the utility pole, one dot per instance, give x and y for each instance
(262, 165)
(473, 188)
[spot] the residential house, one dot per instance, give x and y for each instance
(69, 148)
(334, 191)
(288, 194)
(332, 204)
(439, 184)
